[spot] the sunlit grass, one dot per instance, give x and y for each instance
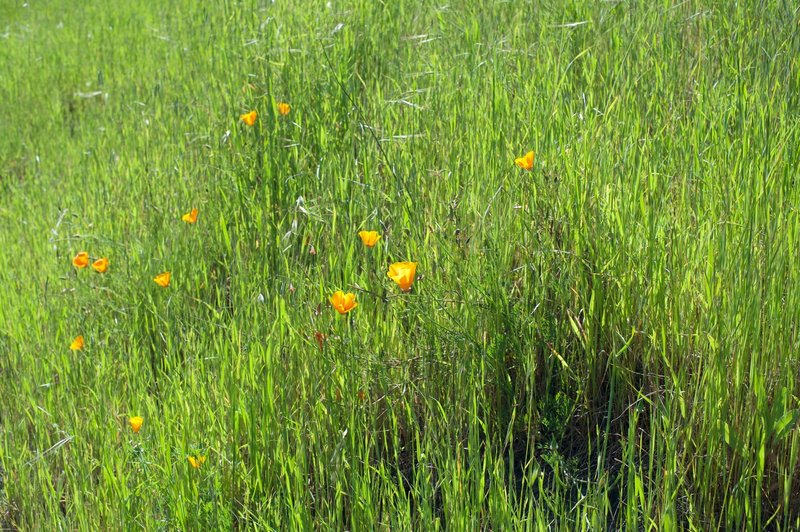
(397, 265)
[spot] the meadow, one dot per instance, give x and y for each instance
(608, 340)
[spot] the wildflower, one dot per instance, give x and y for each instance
(162, 279)
(136, 423)
(403, 273)
(190, 217)
(197, 460)
(81, 260)
(343, 303)
(284, 108)
(77, 343)
(100, 265)
(525, 162)
(369, 238)
(249, 118)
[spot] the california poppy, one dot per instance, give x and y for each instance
(162, 279)
(190, 217)
(284, 108)
(197, 461)
(403, 273)
(100, 265)
(81, 260)
(77, 343)
(369, 238)
(249, 118)
(136, 423)
(343, 303)
(525, 162)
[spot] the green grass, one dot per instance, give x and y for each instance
(611, 341)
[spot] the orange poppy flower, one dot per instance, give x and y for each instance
(369, 238)
(81, 260)
(190, 217)
(136, 423)
(284, 108)
(100, 265)
(249, 118)
(162, 279)
(343, 303)
(403, 274)
(77, 343)
(197, 461)
(525, 162)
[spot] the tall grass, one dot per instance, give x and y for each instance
(607, 342)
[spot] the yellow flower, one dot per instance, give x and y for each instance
(190, 217)
(284, 108)
(162, 279)
(403, 273)
(81, 260)
(77, 343)
(197, 461)
(249, 118)
(369, 238)
(525, 162)
(136, 423)
(100, 265)
(343, 303)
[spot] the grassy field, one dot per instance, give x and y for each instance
(610, 340)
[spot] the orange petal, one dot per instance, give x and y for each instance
(81, 260)
(100, 265)
(77, 343)
(526, 161)
(249, 118)
(343, 303)
(162, 279)
(403, 274)
(197, 461)
(190, 217)
(369, 238)
(136, 423)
